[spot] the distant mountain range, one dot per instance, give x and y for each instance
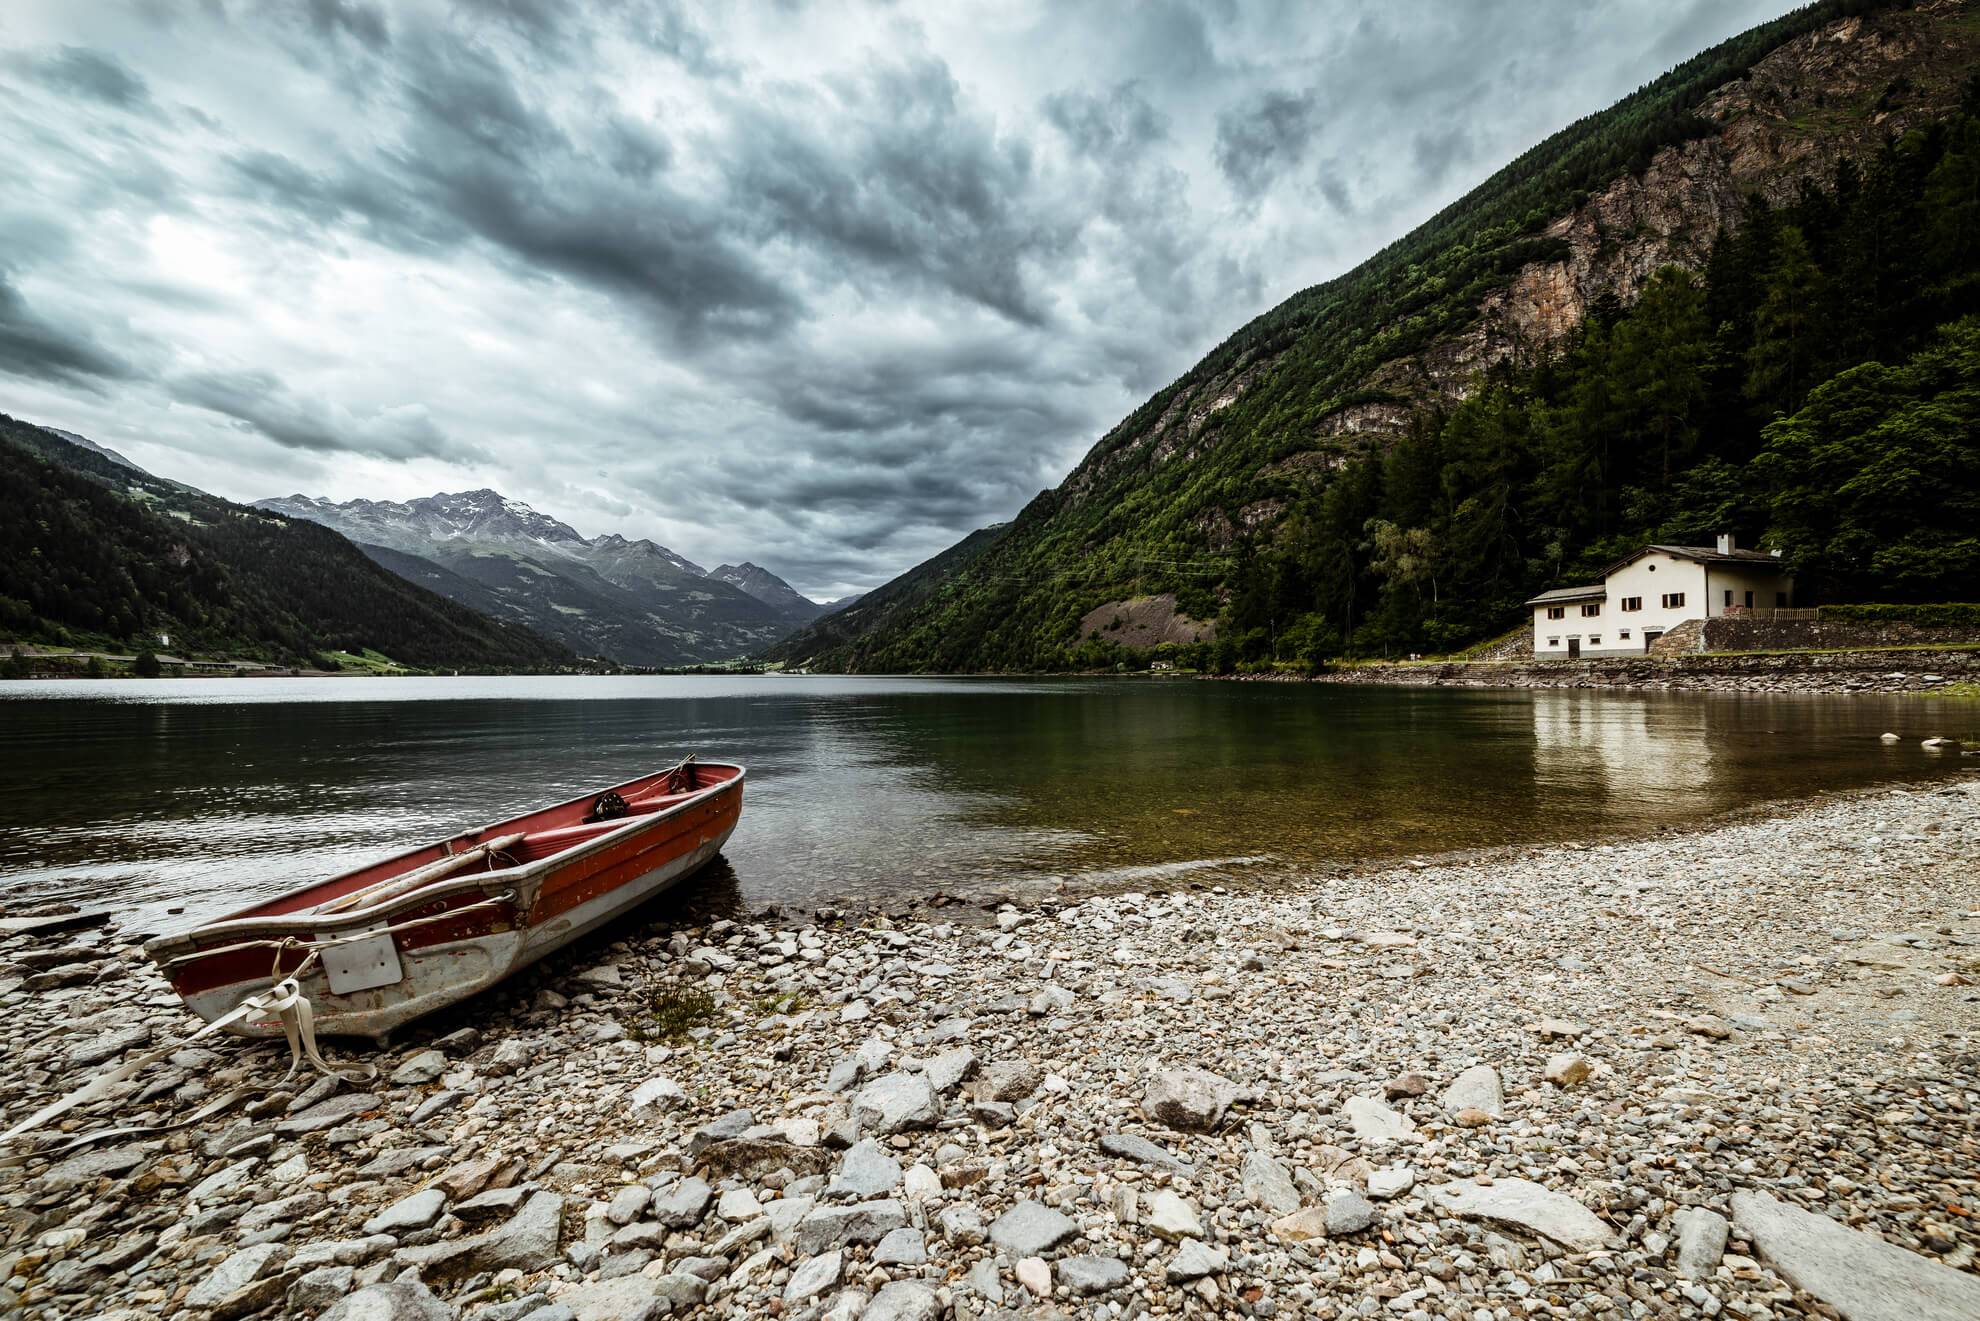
(634, 602)
(97, 552)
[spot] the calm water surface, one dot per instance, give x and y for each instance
(202, 795)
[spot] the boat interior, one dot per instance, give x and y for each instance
(516, 842)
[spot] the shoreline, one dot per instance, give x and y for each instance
(942, 1111)
(1899, 670)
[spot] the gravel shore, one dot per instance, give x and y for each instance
(1729, 1072)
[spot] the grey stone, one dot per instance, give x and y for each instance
(1192, 1100)
(1268, 1185)
(627, 1204)
(814, 1277)
(683, 1205)
(896, 1103)
(962, 1226)
(1701, 1241)
(341, 1252)
(864, 1222)
(400, 1300)
(415, 1212)
(1088, 1276)
(1196, 1259)
(1170, 1217)
(88, 1166)
(986, 1282)
(631, 1297)
(1477, 1088)
(236, 1273)
(901, 1247)
(328, 1114)
(1008, 1080)
(1527, 1205)
(1348, 1212)
(903, 1300)
(657, 1096)
(317, 1290)
(1143, 1152)
(527, 1241)
(867, 1172)
(1374, 1121)
(732, 1125)
(1393, 1181)
(1030, 1229)
(946, 1071)
(495, 1204)
(423, 1068)
(1861, 1276)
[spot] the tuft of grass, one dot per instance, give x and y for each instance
(766, 1005)
(675, 1013)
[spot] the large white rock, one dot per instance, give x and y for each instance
(1268, 1185)
(1477, 1088)
(1170, 1217)
(1527, 1205)
(658, 1095)
(1191, 1100)
(1373, 1121)
(1861, 1276)
(895, 1103)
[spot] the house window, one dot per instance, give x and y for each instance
(1632, 603)
(1592, 609)
(1729, 598)
(1672, 600)
(1622, 634)
(1557, 612)
(1780, 600)
(1553, 642)
(1749, 600)
(1594, 639)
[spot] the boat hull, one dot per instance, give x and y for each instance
(448, 940)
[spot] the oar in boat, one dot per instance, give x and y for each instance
(393, 886)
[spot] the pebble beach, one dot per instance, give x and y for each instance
(1728, 1071)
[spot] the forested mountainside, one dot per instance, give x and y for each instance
(1732, 301)
(94, 550)
(634, 602)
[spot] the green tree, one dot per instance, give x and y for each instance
(1875, 484)
(1778, 364)
(146, 666)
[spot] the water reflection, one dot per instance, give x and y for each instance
(201, 795)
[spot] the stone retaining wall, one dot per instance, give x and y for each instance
(1736, 633)
(1855, 671)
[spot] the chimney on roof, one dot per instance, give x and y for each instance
(1726, 543)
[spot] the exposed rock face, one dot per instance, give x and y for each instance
(1783, 122)
(1146, 621)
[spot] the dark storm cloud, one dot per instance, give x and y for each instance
(88, 73)
(33, 346)
(259, 401)
(1263, 136)
(362, 23)
(821, 286)
(892, 173)
(1108, 125)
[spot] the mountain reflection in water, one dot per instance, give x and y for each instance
(202, 795)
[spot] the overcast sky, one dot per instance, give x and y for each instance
(821, 286)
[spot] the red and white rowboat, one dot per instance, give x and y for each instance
(375, 948)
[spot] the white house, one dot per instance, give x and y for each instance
(1645, 595)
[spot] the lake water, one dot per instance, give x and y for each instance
(202, 795)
